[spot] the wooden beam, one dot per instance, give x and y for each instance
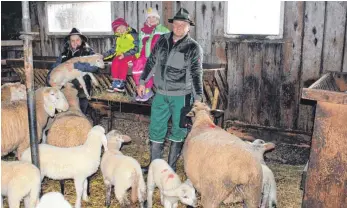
(324, 96)
(11, 43)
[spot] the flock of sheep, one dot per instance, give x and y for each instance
(218, 165)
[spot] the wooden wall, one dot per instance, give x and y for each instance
(265, 77)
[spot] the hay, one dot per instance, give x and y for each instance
(287, 176)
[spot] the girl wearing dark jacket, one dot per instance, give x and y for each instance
(76, 45)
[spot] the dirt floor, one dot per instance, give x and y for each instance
(287, 177)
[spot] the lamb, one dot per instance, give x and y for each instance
(160, 174)
(20, 180)
(121, 171)
(13, 92)
(258, 148)
(53, 200)
(75, 163)
(65, 72)
(14, 119)
(218, 163)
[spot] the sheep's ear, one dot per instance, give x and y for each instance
(172, 192)
(104, 142)
(188, 182)
(191, 113)
(126, 138)
(269, 146)
(49, 101)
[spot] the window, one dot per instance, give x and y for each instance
(89, 17)
(255, 18)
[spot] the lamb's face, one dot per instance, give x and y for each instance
(99, 61)
(187, 195)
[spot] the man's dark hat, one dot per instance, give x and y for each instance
(182, 15)
(76, 31)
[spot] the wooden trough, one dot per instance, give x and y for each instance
(326, 183)
(214, 81)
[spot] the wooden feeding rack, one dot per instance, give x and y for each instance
(214, 83)
(326, 182)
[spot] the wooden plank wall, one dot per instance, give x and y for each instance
(264, 78)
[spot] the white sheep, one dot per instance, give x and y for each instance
(219, 164)
(76, 163)
(13, 92)
(121, 171)
(53, 200)
(60, 132)
(172, 190)
(20, 180)
(269, 198)
(65, 72)
(15, 122)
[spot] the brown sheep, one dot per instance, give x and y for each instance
(15, 122)
(69, 128)
(219, 164)
(65, 72)
(13, 91)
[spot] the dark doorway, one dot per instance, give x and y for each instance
(11, 20)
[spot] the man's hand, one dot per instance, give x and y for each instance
(121, 56)
(141, 90)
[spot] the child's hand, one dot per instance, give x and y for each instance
(141, 90)
(121, 56)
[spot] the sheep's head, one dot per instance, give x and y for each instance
(115, 139)
(15, 91)
(259, 147)
(201, 108)
(99, 130)
(53, 100)
(185, 192)
(98, 60)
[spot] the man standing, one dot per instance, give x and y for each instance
(176, 63)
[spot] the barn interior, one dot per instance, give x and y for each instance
(287, 85)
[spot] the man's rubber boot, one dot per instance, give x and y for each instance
(174, 154)
(157, 150)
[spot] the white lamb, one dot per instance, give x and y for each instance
(269, 193)
(121, 171)
(161, 175)
(20, 180)
(76, 163)
(53, 200)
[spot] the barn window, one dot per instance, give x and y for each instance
(255, 18)
(89, 17)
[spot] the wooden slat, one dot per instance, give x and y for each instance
(117, 9)
(334, 36)
(252, 82)
(269, 107)
(167, 13)
(313, 41)
(130, 8)
(324, 96)
(215, 98)
(11, 43)
(191, 7)
(312, 54)
(235, 80)
(221, 87)
(142, 8)
(290, 88)
(203, 27)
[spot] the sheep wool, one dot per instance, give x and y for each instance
(218, 163)
(122, 172)
(76, 163)
(20, 180)
(53, 200)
